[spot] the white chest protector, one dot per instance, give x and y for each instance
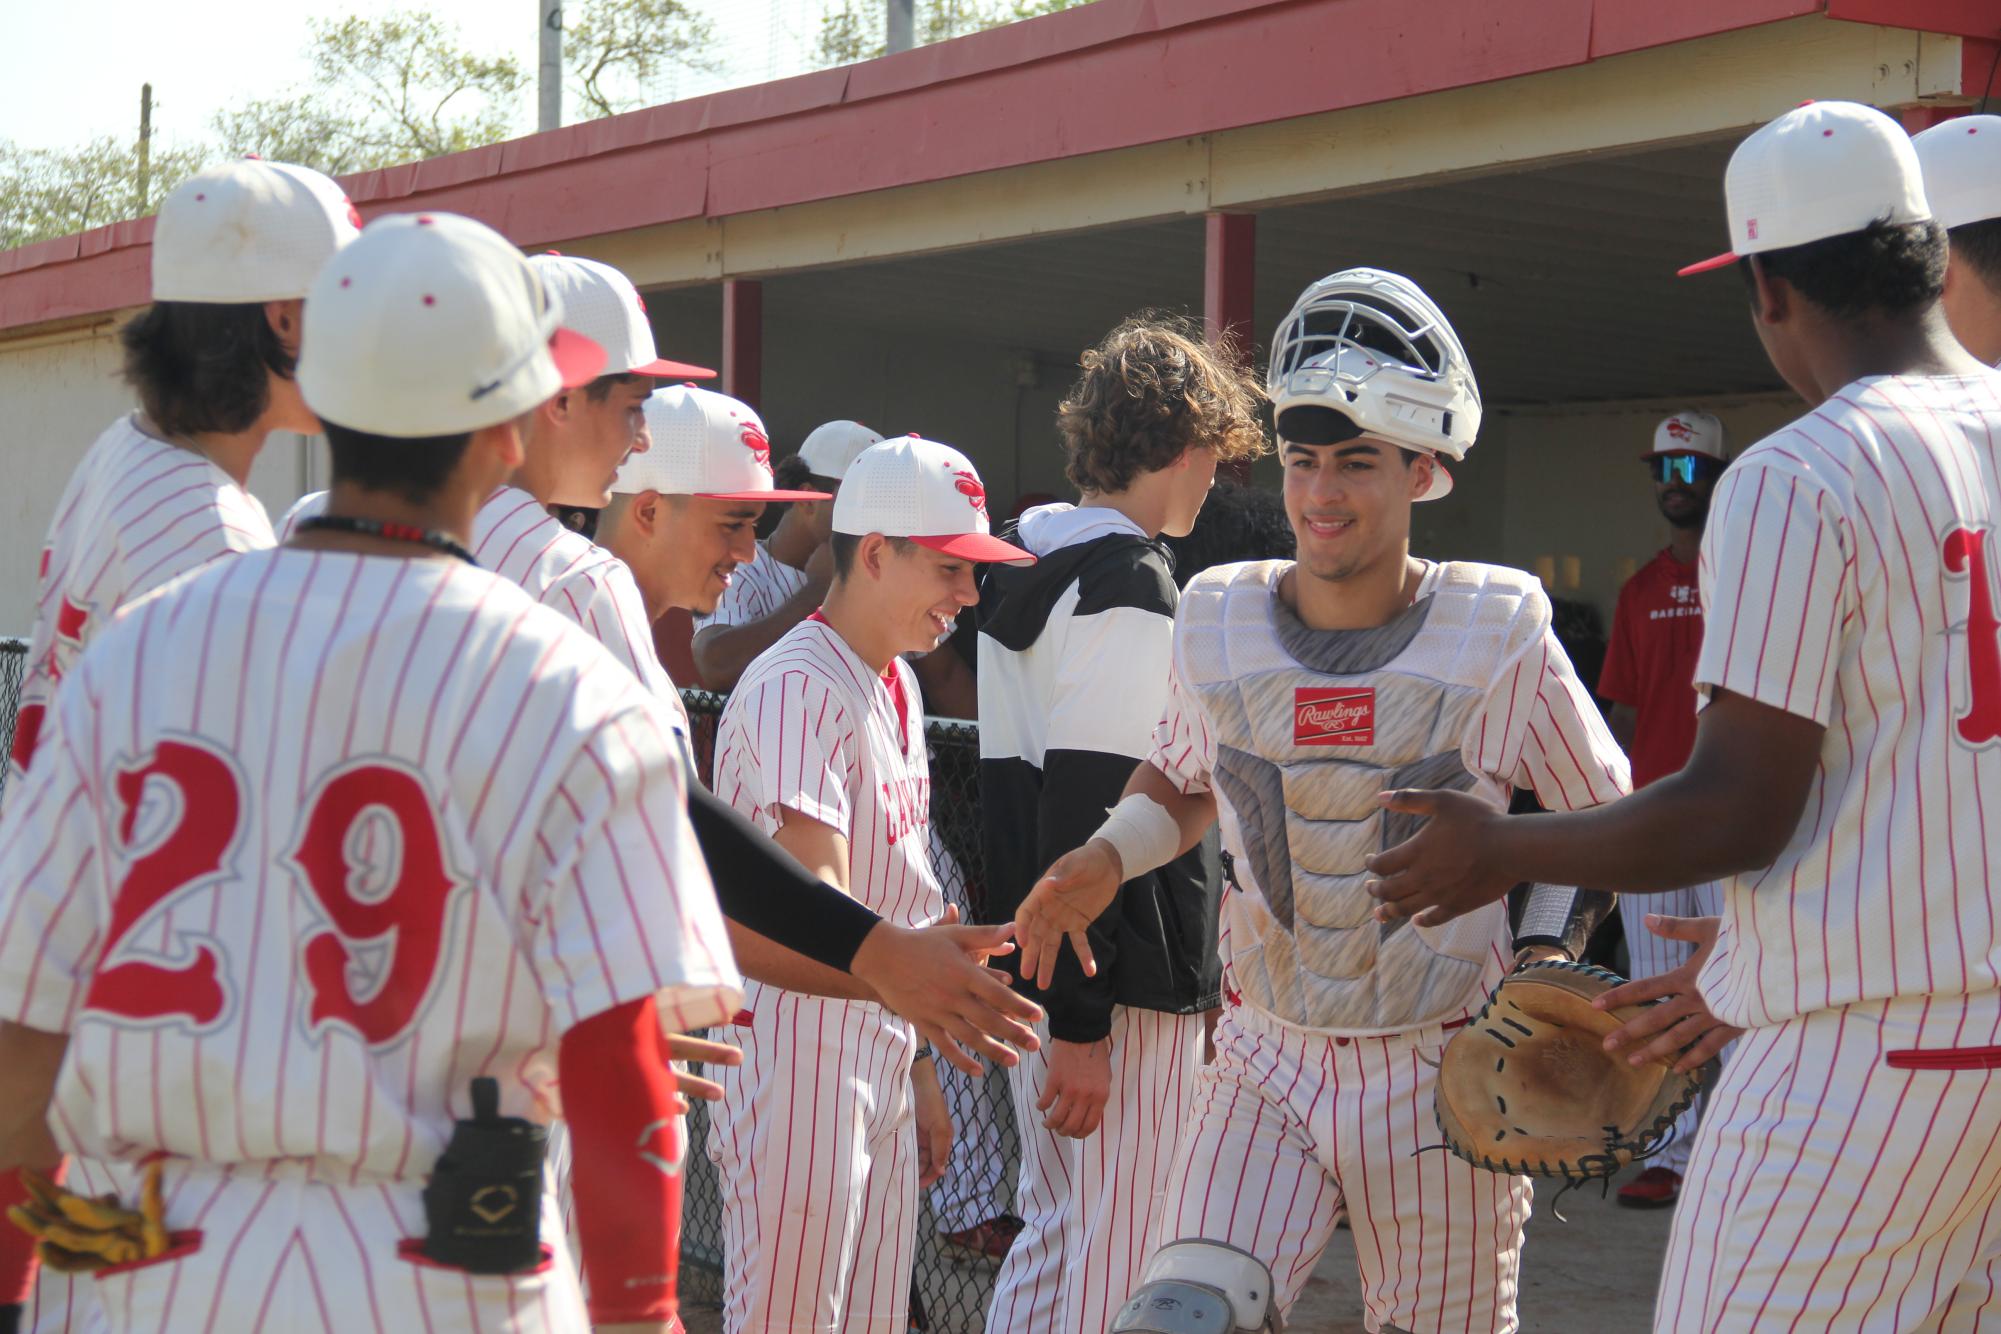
(1309, 727)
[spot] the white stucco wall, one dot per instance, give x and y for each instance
(56, 394)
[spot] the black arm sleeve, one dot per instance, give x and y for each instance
(763, 888)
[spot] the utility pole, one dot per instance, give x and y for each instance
(550, 111)
(900, 21)
(145, 143)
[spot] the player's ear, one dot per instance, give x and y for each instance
(646, 507)
(1419, 473)
(1771, 300)
(559, 408)
(285, 318)
(870, 554)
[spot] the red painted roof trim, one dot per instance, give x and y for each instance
(1108, 75)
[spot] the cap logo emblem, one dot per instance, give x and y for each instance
(754, 440)
(1751, 228)
(1334, 716)
(969, 487)
(1680, 429)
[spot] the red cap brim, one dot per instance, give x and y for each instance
(1704, 266)
(774, 497)
(663, 369)
(978, 546)
(579, 360)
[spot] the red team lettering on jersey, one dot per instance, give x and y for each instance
(137, 513)
(418, 829)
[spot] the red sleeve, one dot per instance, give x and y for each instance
(17, 1248)
(627, 1138)
(1615, 678)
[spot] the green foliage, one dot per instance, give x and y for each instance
(54, 192)
(618, 50)
(855, 30)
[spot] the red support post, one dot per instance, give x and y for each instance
(1229, 275)
(1229, 280)
(743, 339)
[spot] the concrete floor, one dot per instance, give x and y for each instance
(1597, 1272)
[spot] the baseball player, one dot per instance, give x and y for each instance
(1301, 691)
(1961, 159)
(835, 1114)
(1648, 678)
(1074, 665)
(162, 491)
(783, 585)
(361, 818)
(1845, 1176)
(786, 581)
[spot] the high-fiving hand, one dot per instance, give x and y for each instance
(1444, 870)
(1070, 896)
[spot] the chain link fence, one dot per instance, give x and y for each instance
(13, 665)
(952, 1285)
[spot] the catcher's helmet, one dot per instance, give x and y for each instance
(1364, 352)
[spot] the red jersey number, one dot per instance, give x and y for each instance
(1966, 554)
(203, 819)
(372, 966)
(369, 968)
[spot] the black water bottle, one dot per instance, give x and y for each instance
(484, 1200)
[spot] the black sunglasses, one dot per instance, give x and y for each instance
(1688, 469)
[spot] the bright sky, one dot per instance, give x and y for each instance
(70, 72)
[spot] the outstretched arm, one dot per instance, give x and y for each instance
(1073, 892)
(1732, 808)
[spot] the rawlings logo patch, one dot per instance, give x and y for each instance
(1334, 716)
(1680, 429)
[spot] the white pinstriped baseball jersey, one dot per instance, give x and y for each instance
(517, 538)
(756, 590)
(811, 727)
(390, 827)
(137, 513)
(820, 1110)
(1849, 575)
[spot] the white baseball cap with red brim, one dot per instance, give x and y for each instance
(601, 303)
(1823, 169)
(1688, 432)
(917, 488)
(704, 444)
(1961, 159)
(432, 324)
(248, 231)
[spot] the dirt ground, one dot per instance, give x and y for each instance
(1597, 1272)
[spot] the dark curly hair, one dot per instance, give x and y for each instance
(199, 367)
(1236, 523)
(1979, 244)
(1884, 269)
(1147, 392)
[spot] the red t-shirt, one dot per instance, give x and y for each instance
(1650, 664)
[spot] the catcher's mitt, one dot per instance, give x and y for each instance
(84, 1233)
(1528, 1089)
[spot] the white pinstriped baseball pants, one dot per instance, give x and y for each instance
(280, 1252)
(1092, 1206)
(1647, 955)
(1289, 1127)
(816, 1144)
(1831, 1190)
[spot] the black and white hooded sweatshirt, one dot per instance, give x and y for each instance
(1073, 670)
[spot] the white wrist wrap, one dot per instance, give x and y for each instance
(1144, 834)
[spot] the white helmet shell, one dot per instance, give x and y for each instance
(1372, 347)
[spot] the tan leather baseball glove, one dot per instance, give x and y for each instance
(1528, 1089)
